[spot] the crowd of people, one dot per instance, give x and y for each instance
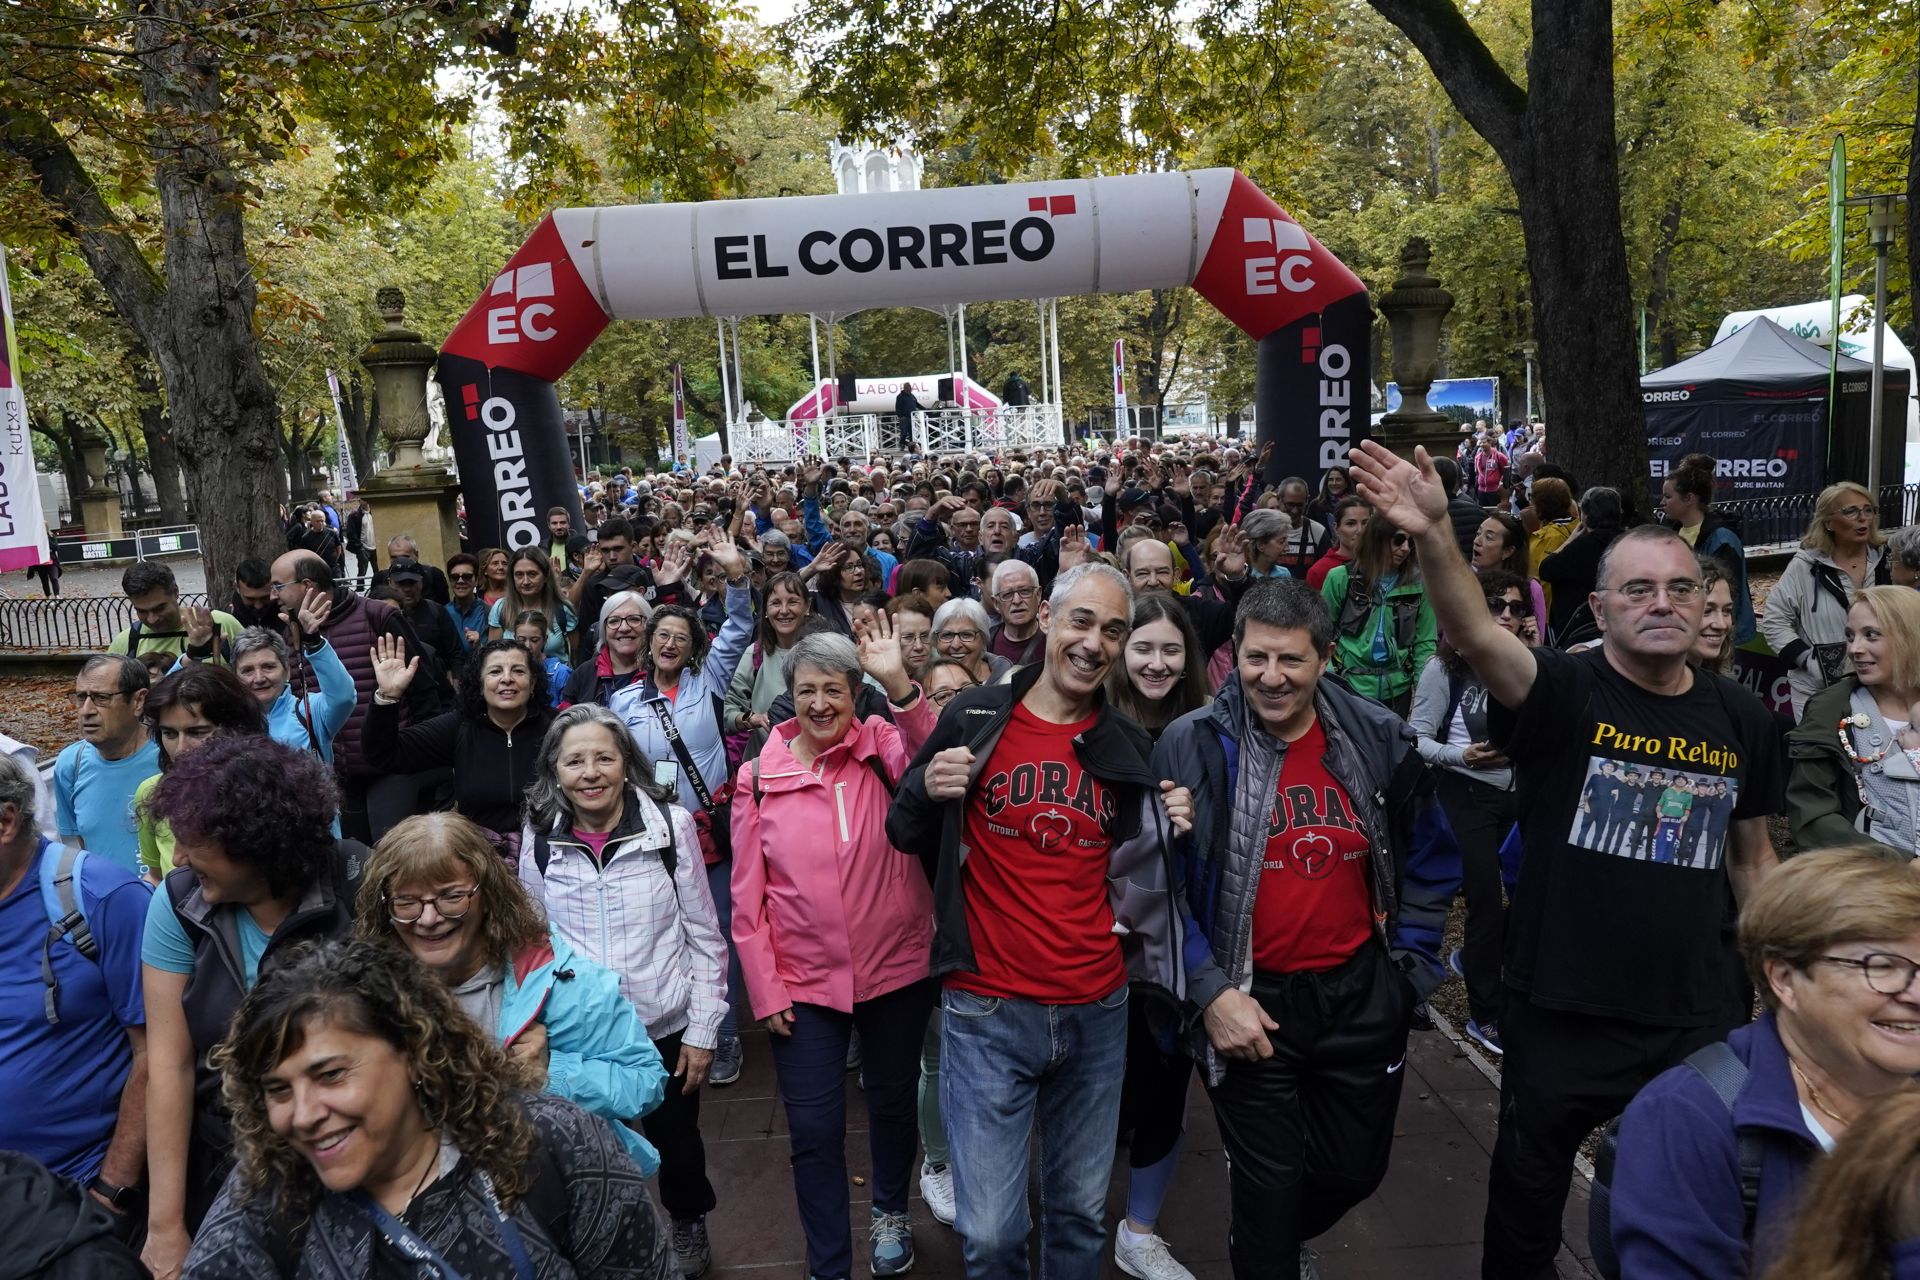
(401, 931)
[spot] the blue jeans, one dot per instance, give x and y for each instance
(720, 885)
(811, 1067)
(1004, 1063)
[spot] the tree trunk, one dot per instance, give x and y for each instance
(163, 459)
(72, 469)
(293, 448)
(1913, 219)
(196, 313)
(354, 408)
(1556, 141)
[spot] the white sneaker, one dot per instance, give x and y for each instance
(936, 1188)
(1146, 1257)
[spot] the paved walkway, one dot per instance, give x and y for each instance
(1423, 1223)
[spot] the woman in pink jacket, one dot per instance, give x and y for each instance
(834, 927)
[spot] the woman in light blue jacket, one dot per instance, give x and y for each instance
(436, 888)
(306, 721)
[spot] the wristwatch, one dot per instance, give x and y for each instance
(119, 1199)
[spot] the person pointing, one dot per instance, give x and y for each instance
(1063, 897)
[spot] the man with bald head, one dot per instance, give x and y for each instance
(1150, 570)
(353, 623)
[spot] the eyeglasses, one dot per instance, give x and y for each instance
(1013, 595)
(1854, 513)
(1518, 608)
(81, 697)
(625, 622)
(1640, 591)
(1402, 540)
(944, 696)
(459, 577)
(970, 634)
(450, 905)
(1888, 974)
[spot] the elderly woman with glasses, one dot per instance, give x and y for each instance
(1713, 1154)
(437, 889)
(618, 662)
(960, 628)
(1805, 619)
(835, 928)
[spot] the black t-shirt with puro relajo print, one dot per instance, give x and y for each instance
(1615, 914)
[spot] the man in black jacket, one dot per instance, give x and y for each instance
(1045, 836)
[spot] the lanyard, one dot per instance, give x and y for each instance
(408, 1242)
(680, 750)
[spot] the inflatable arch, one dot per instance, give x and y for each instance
(1212, 229)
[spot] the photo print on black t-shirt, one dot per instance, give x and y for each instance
(1648, 813)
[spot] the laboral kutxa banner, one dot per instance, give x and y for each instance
(23, 530)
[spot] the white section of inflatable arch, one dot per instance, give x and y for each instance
(649, 262)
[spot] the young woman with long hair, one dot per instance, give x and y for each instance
(1384, 627)
(531, 585)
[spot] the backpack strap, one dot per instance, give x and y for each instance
(542, 852)
(1723, 1071)
(880, 771)
(61, 867)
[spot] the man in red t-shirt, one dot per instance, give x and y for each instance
(1044, 835)
(1300, 788)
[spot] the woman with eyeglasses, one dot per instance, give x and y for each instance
(943, 678)
(1855, 780)
(1831, 941)
(1384, 627)
(436, 889)
(960, 630)
(1805, 619)
(257, 869)
(1475, 784)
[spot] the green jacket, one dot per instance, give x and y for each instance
(1823, 791)
(1412, 634)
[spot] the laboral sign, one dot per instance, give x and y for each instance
(582, 268)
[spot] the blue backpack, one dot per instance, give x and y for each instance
(60, 872)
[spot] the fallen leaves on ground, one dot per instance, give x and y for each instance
(38, 711)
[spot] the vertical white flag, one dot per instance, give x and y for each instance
(343, 476)
(682, 447)
(1121, 426)
(23, 530)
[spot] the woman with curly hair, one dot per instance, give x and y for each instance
(379, 1127)
(184, 712)
(437, 889)
(490, 742)
(258, 869)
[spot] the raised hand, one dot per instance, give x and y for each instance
(1407, 495)
(199, 625)
(1230, 552)
(393, 670)
(880, 656)
(673, 562)
(1074, 551)
(593, 561)
(1113, 481)
(732, 561)
(311, 618)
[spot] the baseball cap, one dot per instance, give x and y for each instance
(406, 567)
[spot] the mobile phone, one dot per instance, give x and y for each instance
(666, 773)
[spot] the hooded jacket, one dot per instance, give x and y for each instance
(1140, 871)
(826, 911)
(1676, 1194)
(655, 928)
(309, 721)
(598, 1052)
(1805, 620)
(1371, 752)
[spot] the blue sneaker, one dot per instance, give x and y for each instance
(1486, 1036)
(727, 1061)
(1453, 963)
(892, 1243)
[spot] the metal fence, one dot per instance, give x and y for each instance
(67, 624)
(1778, 522)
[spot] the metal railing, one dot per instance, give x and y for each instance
(987, 430)
(1778, 522)
(134, 544)
(67, 624)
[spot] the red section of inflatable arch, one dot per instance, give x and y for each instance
(538, 317)
(1263, 271)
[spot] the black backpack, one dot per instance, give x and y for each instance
(1721, 1068)
(669, 854)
